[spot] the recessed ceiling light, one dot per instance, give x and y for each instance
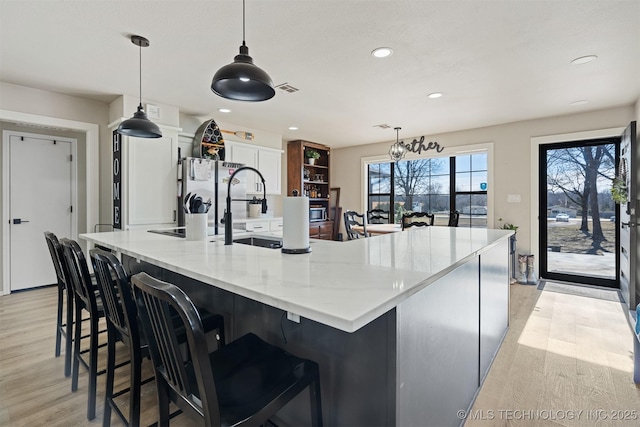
(584, 59)
(382, 52)
(224, 110)
(435, 95)
(293, 128)
(581, 102)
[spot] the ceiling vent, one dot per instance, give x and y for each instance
(287, 88)
(382, 126)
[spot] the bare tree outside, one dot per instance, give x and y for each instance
(582, 175)
(413, 181)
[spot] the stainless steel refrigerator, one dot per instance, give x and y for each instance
(209, 179)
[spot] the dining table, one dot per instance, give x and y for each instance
(377, 229)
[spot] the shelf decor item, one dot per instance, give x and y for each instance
(208, 142)
(139, 125)
(312, 156)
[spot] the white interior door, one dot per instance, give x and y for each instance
(628, 221)
(40, 199)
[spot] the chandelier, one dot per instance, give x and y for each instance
(397, 150)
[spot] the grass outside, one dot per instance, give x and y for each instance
(570, 239)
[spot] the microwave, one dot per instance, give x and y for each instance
(317, 214)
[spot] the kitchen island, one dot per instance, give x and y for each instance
(404, 326)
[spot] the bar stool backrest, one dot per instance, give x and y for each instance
(79, 275)
(117, 297)
(156, 301)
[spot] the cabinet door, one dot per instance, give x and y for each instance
(247, 154)
(152, 169)
(269, 164)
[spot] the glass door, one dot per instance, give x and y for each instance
(577, 215)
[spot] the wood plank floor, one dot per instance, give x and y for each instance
(563, 354)
(567, 360)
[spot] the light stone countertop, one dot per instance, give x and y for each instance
(344, 285)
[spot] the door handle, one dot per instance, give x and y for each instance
(18, 221)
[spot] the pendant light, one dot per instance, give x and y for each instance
(242, 80)
(139, 125)
(397, 150)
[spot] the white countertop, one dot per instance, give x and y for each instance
(344, 285)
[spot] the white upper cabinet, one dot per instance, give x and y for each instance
(267, 160)
(151, 182)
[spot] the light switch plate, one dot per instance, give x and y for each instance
(513, 198)
(153, 111)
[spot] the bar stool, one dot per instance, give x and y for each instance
(85, 298)
(64, 292)
(241, 384)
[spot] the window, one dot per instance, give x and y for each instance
(429, 185)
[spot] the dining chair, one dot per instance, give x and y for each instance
(86, 298)
(417, 219)
(64, 328)
(354, 219)
(454, 217)
(243, 383)
(377, 216)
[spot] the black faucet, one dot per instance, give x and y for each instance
(228, 221)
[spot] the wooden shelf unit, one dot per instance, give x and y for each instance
(318, 188)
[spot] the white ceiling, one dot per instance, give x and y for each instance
(495, 61)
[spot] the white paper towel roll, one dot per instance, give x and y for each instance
(295, 225)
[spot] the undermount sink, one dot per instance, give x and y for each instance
(259, 241)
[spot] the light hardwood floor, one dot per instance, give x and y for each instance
(563, 354)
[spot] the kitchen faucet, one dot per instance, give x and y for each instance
(228, 222)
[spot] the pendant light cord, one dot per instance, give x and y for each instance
(140, 67)
(243, 19)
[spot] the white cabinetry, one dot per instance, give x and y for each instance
(267, 160)
(151, 180)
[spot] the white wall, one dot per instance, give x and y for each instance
(512, 159)
(63, 115)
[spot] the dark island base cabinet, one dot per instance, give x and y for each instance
(321, 230)
(418, 364)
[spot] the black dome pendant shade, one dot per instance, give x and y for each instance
(139, 125)
(242, 80)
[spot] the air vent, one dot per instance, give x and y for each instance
(287, 88)
(382, 126)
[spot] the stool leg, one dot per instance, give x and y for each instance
(76, 348)
(59, 322)
(163, 401)
(111, 366)
(135, 388)
(69, 335)
(93, 368)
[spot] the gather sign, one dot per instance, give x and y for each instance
(418, 146)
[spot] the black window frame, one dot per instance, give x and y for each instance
(453, 193)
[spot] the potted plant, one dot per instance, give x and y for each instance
(312, 156)
(508, 226)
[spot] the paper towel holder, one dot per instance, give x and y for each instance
(306, 250)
